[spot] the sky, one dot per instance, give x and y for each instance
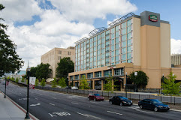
(37, 26)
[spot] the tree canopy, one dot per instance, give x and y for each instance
(141, 79)
(83, 83)
(9, 59)
(108, 86)
(169, 86)
(43, 71)
(65, 66)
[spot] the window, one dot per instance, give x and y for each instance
(129, 36)
(124, 44)
(117, 71)
(123, 50)
(98, 74)
(117, 28)
(76, 77)
(129, 56)
(123, 31)
(59, 57)
(129, 48)
(123, 38)
(123, 57)
(129, 22)
(90, 75)
(60, 52)
(129, 28)
(107, 73)
(69, 53)
(117, 52)
(123, 25)
(129, 42)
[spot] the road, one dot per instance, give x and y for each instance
(47, 105)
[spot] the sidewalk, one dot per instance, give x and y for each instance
(9, 110)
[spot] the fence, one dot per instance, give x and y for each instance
(131, 96)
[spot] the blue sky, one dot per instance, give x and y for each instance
(37, 26)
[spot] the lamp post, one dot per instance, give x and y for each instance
(135, 73)
(27, 111)
(126, 85)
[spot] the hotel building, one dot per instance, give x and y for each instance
(53, 57)
(131, 43)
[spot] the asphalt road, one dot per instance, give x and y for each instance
(47, 105)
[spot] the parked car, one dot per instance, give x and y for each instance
(95, 97)
(74, 88)
(120, 100)
(153, 104)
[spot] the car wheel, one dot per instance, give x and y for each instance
(155, 109)
(141, 106)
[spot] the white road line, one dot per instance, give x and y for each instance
(175, 110)
(33, 105)
(52, 104)
(114, 113)
(74, 103)
(54, 98)
(90, 116)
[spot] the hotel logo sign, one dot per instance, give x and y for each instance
(153, 18)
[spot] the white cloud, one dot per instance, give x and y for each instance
(88, 10)
(60, 27)
(20, 10)
(175, 46)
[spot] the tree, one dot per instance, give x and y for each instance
(83, 83)
(169, 86)
(141, 80)
(33, 71)
(36, 82)
(65, 66)
(43, 83)
(62, 82)
(109, 86)
(10, 61)
(43, 71)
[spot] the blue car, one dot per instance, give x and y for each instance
(153, 104)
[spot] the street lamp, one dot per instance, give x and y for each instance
(27, 111)
(126, 85)
(135, 73)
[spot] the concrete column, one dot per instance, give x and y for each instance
(93, 84)
(102, 85)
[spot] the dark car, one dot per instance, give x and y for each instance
(120, 100)
(95, 97)
(67, 87)
(153, 104)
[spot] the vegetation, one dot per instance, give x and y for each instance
(54, 83)
(23, 79)
(17, 80)
(43, 71)
(83, 83)
(109, 86)
(10, 61)
(141, 80)
(43, 83)
(169, 86)
(36, 82)
(62, 82)
(65, 66)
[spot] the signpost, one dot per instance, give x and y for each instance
(32, 82)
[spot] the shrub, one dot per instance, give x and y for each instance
(36, 82)
(62, 82)
(54, 83)
(17, 80)
(22, 80)
(42, 82)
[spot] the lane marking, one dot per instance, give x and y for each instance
(90, 116)
(175, 110)
(139, 109)
(54, 98)
(33, 105)
(74, 103)
(52, 104)
(114, 113)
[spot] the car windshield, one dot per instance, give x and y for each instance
(96, 94)
(123, 98)
(155, 101)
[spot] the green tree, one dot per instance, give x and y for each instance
(109, 86)
(23, 79)
(36, 82)
(83, 83)
(33, 71)
(9, 59)
(169, 86)
(62, 82)
(43, 83)
(65, 66)
(54, 83)
(43, 71)
(141, 79)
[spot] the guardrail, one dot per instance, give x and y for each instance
(134, 95)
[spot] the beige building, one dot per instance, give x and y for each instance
(53, 57)
(131, 43)
(176, 59)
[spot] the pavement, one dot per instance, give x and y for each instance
(9, 110)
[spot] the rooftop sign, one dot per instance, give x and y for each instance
(153, 18)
